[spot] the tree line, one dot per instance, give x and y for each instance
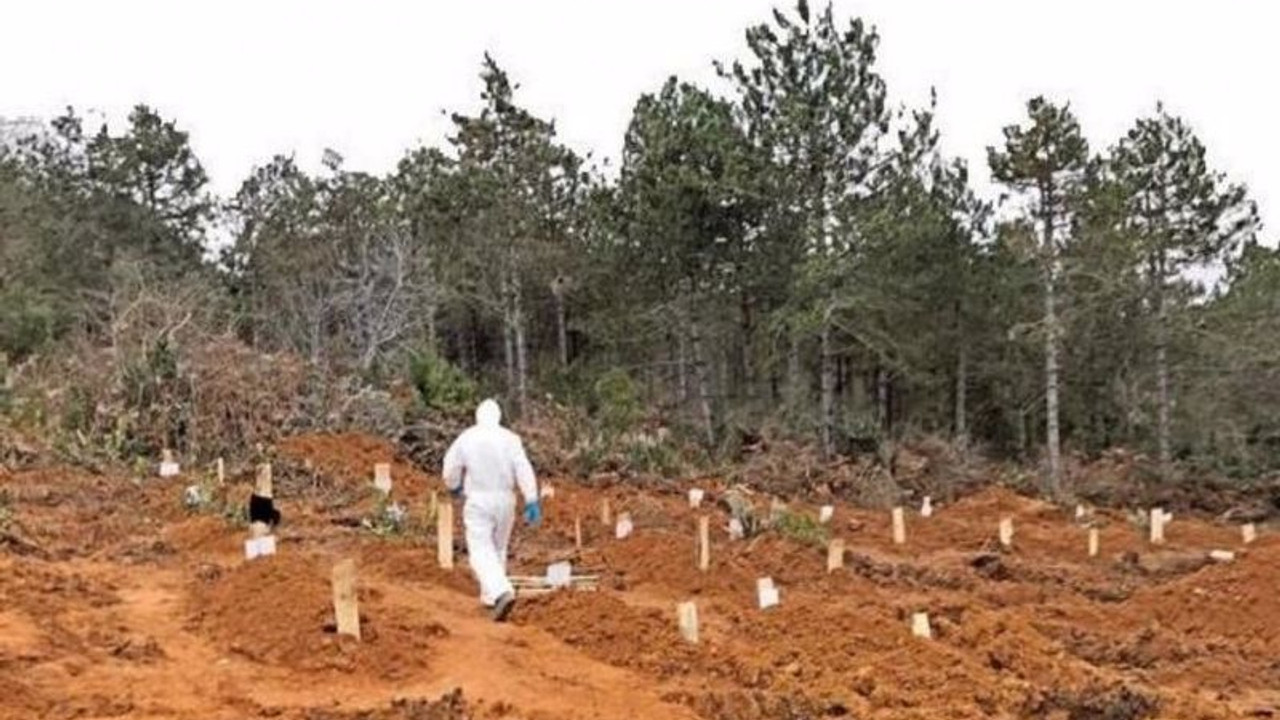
(794, 254)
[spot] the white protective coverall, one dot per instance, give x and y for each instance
(489, 462)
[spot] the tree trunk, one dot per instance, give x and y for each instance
(704, 389)
(522, 349)
(1164, 411)
(562, 333)
(1054, 484)
(828, 383)
(508, 336)
(962, 393)
(795, 381)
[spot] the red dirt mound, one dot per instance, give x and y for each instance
(279, 610)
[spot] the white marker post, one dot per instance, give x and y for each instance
(444, 536)
(767, 594)
(704, 543)
(1093, 542)
(382, 477)
(695, 497)
(1006, 532)
(687, 616)
(606, 515)
(926, 507)
(220, 468)
(559, 574)
(624, 527)
(1157, 526)
(899, 527)
(265, 485)
(1248, 533)
(825, 513)
(835, 554)
(736, 531)
(345, 611)
(920, 626)
(168, 466)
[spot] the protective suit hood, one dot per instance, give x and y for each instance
(488, 414)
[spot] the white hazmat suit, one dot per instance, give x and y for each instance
(488, 462)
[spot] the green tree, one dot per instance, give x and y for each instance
(1045, 161)
(1182, 214)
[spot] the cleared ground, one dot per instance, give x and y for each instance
(116, 602)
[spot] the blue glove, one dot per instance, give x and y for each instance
(533, 512)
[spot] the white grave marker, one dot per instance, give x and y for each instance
(920, 625)
(168, 466)
(736, 531)
(382, 477)
(1248, 533)
(1221, 556)
(695, 497)
(825, 513)
(259, 547)
(624, 526)
(687, 614)
(560, 574)
(767, 593)
(899, 527)
(926, 507)
(1093, 542)
(1157, 526)
(1006, 532)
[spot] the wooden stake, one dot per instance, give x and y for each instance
(687, 616)
(345, 611)
(835, 554)
(606, 516)
(1248, 533)
(920, 625)
(221, 469)
(704, 543)
(899, 527)
(1006, 532)
(263, 488)
(577, 533)
(1157, 526)
(435, 506)
(444, 536)
(1093, 542)
(382, 477)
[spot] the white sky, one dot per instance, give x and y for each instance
(251, 78)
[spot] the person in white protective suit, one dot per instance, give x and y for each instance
(486, 464)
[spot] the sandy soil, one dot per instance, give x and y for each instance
(117, 602)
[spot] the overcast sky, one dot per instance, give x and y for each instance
(251, 78)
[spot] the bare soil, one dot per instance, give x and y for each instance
(118, 602)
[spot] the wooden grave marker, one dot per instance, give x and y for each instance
(1157, 526)
(920, 626)
(899, 527)
(382, 477)
(835, 554)
(704, 543)
(687, 617)
(444, 536)
(346, 613)
(1006, 532)
(1093, 542)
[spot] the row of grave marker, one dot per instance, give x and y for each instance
(261, 543)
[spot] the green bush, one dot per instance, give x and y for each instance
(801, 528)
(440, 385)
(617, 404)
